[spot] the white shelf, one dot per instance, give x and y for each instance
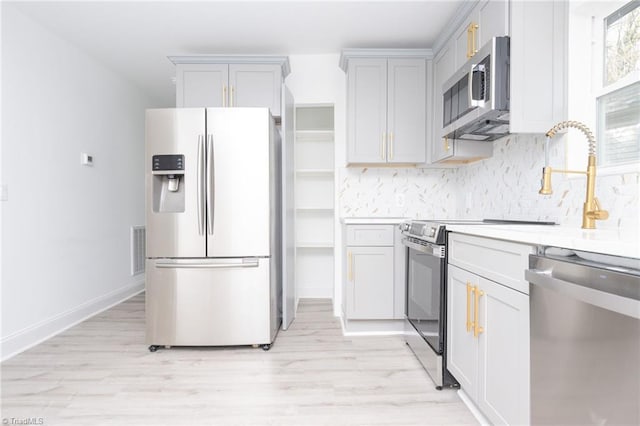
(314, 194)
(315, 136)
(315, 172)
(314, 208)
(308, 245)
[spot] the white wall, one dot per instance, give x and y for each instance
(65, 227)
(317, 79)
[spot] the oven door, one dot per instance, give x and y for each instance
(425, 292)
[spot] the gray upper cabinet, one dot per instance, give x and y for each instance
(443, 67)
(367, 110)
(386, 108)
(253, 85)
(490, 18)
(201, 85)
(230, 81)
(406, 110)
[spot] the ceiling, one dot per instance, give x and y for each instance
(135, 38)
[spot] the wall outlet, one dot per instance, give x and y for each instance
(86, 159)
(400, 200)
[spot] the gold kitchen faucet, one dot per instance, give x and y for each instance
(591, 210)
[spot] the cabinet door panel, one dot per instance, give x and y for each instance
(443, 70)
(503, 393)
(366, 110)
(201, 85)
(493, 20)
(462, 355)
(406, 114)
(255, 86)
(370, 283)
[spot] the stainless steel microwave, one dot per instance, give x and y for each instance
(475, 99)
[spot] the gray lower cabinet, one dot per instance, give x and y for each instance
(488, 325)
(370, 283)
(373, 284)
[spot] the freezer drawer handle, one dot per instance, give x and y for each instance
(244, 263)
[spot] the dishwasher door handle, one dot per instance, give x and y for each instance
(611, 302)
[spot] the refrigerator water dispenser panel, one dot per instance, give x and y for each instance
(168, 183)
(167, 164)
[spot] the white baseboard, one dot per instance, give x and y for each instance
(472, 407)
(35, 334)
(372, 328)
(314, 292)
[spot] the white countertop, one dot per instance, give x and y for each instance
(607, 241)
(372, 220)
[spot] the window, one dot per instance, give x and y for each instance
(619, 126)
(618, 98)
(604, 83)
(622, 42)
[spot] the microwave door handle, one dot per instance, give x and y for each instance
(483, 95)
(470, 87)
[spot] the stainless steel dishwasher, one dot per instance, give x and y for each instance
(585, 340)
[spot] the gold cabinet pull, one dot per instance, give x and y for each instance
(231, 103)
(469, 291)
(383, 148)
(224, 96)
(474, 31)
(476, 323)
(391, 146)
(471, 39)
(350, 267)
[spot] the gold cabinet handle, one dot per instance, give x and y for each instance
(469, 292)
(224, 96)
(471, 40)
(383, 148)
(350, 267)
(445, 144)
(391, 146)
(476, 324)
(232, 91)
(474, 43)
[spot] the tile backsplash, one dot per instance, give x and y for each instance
(503, 187)
(401, 192)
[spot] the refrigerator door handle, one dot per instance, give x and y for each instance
(207, 263)
(210, 184)
(200, 184)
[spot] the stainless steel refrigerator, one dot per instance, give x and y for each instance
(213, 216)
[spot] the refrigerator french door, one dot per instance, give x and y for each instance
(213, 227)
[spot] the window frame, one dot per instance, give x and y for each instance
(598, 14)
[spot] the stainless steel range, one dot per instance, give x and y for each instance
(426, 290)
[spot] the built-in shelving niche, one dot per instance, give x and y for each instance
(314, 187)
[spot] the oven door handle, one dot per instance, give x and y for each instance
(427, 248)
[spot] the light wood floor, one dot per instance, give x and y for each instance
(101, 373)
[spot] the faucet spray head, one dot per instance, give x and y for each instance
(546, 182)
